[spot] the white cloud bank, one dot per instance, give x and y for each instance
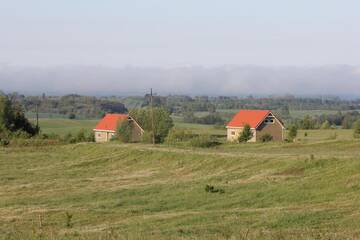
(226, 80)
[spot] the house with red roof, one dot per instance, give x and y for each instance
(261, 122)
(106, 128)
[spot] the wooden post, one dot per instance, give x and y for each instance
(37, 116)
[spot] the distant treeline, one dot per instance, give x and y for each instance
(345, 120)
(219, 109)
(72, 106)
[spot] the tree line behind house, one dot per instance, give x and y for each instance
(157, 123)
(76, 106)
(215, 110)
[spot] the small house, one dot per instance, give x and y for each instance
(106, 128)
(261, 122)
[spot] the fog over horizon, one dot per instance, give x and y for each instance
(190, 47)
(231, 80)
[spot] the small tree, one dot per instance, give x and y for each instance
(72, 116)
(246, 134)
(292, 132)
(124, 131)
(326, 125)
(357, 129)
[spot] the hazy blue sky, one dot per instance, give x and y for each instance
(179, 32)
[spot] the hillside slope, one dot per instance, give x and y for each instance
(116, 191)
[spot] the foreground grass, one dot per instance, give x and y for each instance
(116, 191)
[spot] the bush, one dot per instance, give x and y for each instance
(72, 116)
(326, 125)
(4, 142)
(68, 220)
(266, 138)
(178, 135)
(203, 141)
(69, 138)
(212, 189)
(292, 133)
(147, 137)
(246, 134)
(82, 136)
(124, 131)
(357, 129)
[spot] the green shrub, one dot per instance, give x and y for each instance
(72, 116)
(266, 138)
(246, 134)
(147, 137)
(357, 129)
(4, 142)
(69, 138)
(68, 220)
(124, 131)
(203, 141)
(292, 133)
(212, 189)
(326, 125)
(178, 135)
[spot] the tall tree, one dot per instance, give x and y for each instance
(162, 122)
(13, 119)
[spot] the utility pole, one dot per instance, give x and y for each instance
(37, 116)
(152, 117)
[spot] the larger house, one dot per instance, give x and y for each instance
(261, 122)
(106, 128)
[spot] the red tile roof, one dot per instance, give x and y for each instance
(252, 117)
(110, 121)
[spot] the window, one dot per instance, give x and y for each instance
(232, 133)
(99, 134)
(269, 120)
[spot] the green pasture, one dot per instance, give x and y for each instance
(62, 126)
(301, 190)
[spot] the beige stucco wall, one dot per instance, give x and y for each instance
(234, 137)
(103, 136)
(274, 129)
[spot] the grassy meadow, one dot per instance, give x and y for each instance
(303, 190)
(309, 189)
(62, 126)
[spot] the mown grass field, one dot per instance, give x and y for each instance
(303, 190)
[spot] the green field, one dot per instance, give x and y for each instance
(63, 126)
(309, 189)
(115, 191)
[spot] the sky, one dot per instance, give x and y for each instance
(45, 34)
